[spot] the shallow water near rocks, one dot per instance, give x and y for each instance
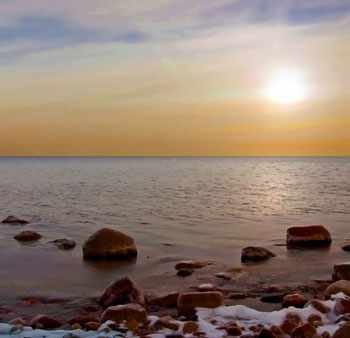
(175, 209)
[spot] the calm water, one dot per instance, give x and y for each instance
(206, 208)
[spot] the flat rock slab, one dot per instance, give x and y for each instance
(308, 236)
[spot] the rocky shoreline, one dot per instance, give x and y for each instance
(317, 309)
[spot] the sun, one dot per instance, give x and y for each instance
(288, 86)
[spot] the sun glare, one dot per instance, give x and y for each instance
(288, 86)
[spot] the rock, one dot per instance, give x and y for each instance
(166, 322)
(169, 300)
(341, 271)
(92, 326)
(273, 298)
(64, 243)
(294, 317)
(339, 286)
(342, 332)
(122, 291)
(206, 287)
(45, 321)
(17, 328)
(190, 327)
(18, 321)
(233, 330)
(187, 302)
(124, 312)
(287, 326)
(109, 244)
(266, 333)
(315, 320)
(296, 299)
(189, 265)
(82, 319)
(308, 236)
(318, 305)
(303, 331)
(184, 272)
(76, 326)
(14, 220)
(223, 275)
(238, 295)
(342, 306)
(131, 325)
(346, 247)
(27, 235)
(255, 254)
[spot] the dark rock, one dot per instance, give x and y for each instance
(45, 321)
(341, 271)
(342, 332)
(27, 235)
(184, 272)
(308, 236)
(122, 291)
(273, 298)
(93, 326)
(255, 254)
(64, 243)
(342, 306)
(346, 247)
(169, 300)
(82, 319)
(109, 244)
(266, 333)
(126, 312)
(190, 327)
(303, 331)
(14, 220)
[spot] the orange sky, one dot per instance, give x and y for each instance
(138, 80)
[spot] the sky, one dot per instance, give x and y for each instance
(174, 78)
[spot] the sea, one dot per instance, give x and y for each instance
(175, 208)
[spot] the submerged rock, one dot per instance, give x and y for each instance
(184, 272)
(169, 300)
(190, 265)
(27, 235)
(109, 244)
(187, 302)
(64, 243)
(308, 236)
(14, 220)
(346, 247)
(255, 254)
(126, 312)
(341, 271)
(122, 291)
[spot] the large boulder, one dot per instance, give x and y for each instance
(27, 235)
(122, 291)
(14, 220)
(126, 312)
(308, 236)
(341, 271)
(109, 244)
(255, 254)
(188, 302)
